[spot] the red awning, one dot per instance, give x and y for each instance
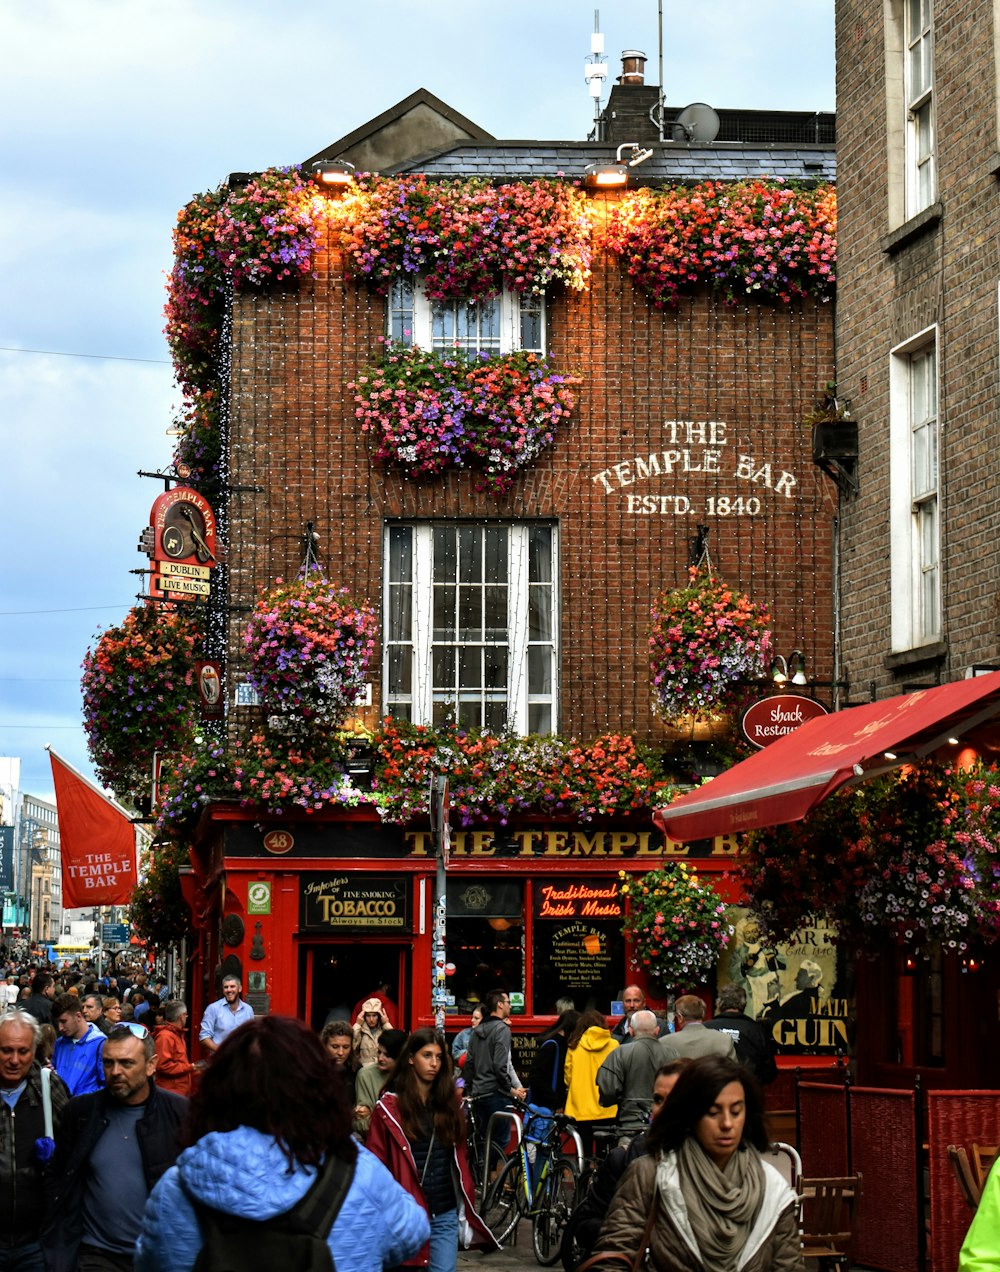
(785, 780)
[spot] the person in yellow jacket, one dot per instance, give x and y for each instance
(590, 1044)
(980, 1250)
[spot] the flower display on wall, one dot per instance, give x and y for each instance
(705, 640)
(138, 695)
(468, 238)
(309, 646)
(748, 240)
(429, 412)
(677, 925)
(491, 778)
(914, 854)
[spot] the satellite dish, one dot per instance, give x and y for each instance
(697, 122)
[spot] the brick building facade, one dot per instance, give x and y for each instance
(688, 425)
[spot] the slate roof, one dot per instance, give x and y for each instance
(671, 162)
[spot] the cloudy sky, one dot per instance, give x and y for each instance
(117, 111)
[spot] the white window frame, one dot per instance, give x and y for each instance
(918, 89)
(419, 329)
(522, 708)
(915, 496)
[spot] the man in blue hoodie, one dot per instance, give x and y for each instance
(77, 1053)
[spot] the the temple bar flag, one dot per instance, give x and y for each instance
(97, 840)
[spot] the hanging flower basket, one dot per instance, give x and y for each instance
(138, 695)
(677, 925)
(705, 642)
(310, 645)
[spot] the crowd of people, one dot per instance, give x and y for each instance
(354, 1142)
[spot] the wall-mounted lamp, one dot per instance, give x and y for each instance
(605, 176)
(333, 174)
(614, 176)
(792, 669)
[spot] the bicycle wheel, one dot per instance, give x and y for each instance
(571, 1249)
(484, 1178)
(504, 1200)
(554, 1209)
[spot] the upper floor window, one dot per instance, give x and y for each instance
(470, 625)
(915, 494)
(500, 324)
(918, 87)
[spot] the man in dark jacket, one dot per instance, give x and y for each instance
(113, 1143)
(43, 990)
(487, 1062)
(22, 1123)
(752, 1039)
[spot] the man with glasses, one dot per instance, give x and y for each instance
(116, 1142)
(488, 1069)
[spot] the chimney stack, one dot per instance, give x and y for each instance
(633, 68)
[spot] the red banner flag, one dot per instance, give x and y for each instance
(97, 840)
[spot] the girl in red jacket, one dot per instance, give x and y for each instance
(418, 1131)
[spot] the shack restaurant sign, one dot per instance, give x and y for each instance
(772, 718)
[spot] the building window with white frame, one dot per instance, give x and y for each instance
(918, 82)
(470, 624)
(499, 324)
(915, 523)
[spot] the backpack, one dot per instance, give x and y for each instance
(297, 1239)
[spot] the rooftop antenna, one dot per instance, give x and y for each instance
(659, 107)
(595, 72)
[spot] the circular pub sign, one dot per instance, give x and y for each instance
(771, 718)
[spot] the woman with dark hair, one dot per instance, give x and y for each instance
(418, 1130)
(371, 1078)
(547, 1082)
(717, 1204)
(268, 1122)
(589, 1046)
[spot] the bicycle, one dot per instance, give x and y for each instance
(539, 1182)
(486, 1154)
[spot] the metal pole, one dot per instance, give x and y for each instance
(439, 956)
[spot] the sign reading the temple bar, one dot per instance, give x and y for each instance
(771, 718)
(580, 955)
(183, 545)
(344, 903)
(577, 900)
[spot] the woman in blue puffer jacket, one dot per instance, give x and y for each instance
(268, 1111)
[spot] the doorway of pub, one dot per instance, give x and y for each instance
(335, 977)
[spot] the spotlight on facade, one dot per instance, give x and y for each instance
(333, 174)
(605, 176)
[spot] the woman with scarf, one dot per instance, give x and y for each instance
(418, 1131)
(716, 1204)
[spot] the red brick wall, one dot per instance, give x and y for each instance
(758, 369)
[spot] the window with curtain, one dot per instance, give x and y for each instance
(499, 324)
(470, 629)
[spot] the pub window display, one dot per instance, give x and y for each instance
(485, 941)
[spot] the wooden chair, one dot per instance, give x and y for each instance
(966, 1176)
(828, 1219)
(983, 1157)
